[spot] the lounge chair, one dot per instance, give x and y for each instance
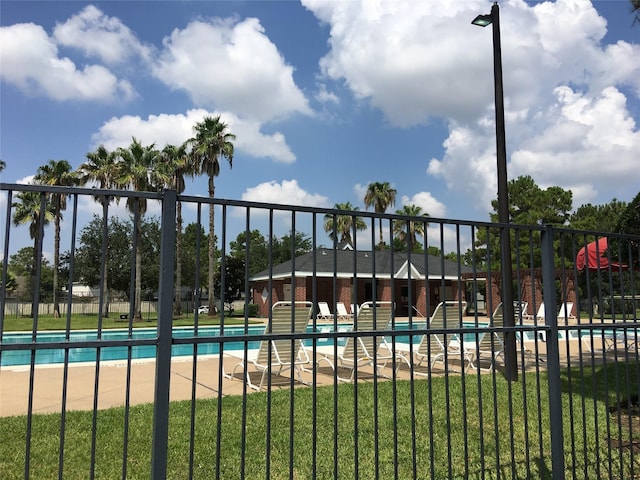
(538, 317)
(324, 313)
(520, 310)
(278, 356)
(341, 311)
(494, 344)
(362, 351)
(564, 315)
(611, 340)
(436, 346)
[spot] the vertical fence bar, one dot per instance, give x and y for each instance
(553, 358)
(163, 354)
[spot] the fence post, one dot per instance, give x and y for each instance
(553, 355)
(163, 352)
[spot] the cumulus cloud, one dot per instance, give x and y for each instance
(288, 192)
(231, 66)
(427, 202)
(402, 58)
(30, 61)
(28, 180)
(88, 206)
(565, 91)
(166, 129)
(593, 140)
(101, 36)
(324, 96)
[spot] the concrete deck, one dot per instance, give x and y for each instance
(81, 382)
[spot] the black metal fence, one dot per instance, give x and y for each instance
(420, 375)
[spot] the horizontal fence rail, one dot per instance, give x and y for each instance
(304, 342)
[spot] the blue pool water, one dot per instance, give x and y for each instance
(88, 354)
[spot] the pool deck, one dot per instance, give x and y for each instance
(48, 381)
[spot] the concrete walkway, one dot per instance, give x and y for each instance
(48, 381)
(81, 384)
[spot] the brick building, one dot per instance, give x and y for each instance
(417, 281)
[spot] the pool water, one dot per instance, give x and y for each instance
(88, 354)
(107, 353)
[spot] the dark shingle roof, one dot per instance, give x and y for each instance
(343, 263)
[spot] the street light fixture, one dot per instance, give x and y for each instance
(493, 19)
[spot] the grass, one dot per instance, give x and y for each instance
(447, 414)
(84, 321)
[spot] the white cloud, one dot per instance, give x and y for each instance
(167, 129)
(360, 191)
(427, 202)
(30, 61)
(567, 119)
(101, 36)
(593, 142)
(28, 180)
(403, 58)
(324, 96)
(231, 66)
(88, 206)
(286, 193)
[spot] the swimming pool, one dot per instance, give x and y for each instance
(120, 352)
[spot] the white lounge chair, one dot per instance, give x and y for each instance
(361, 351)
(341, 311)
(611, 341)
(538, 317)
(520, 310)
(493, 345)
(277, 356)
(324, 313)
(564, 315)
(436, 346)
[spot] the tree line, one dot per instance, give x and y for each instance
(145, 168)
(142, 168)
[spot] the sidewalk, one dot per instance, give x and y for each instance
(48, 385)
(81, 383)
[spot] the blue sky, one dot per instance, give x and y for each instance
(326, 97)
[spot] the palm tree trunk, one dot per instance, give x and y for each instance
(137, 316)
(381, 240)
(56, 264)
(212, 251)
(105, 297)
(177, 309)
(34, 276)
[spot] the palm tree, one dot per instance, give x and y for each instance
(137, 170)
(178, 164)
(635, 8)
(2, 165)
(100, 167)
(380, 195)
(29, 209)
(57, 173)
(211, 141)
(343, 224)
(407, 231)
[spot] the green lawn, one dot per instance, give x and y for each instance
(461, 413)
(81, 322)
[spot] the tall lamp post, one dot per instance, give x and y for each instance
(503, 195)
